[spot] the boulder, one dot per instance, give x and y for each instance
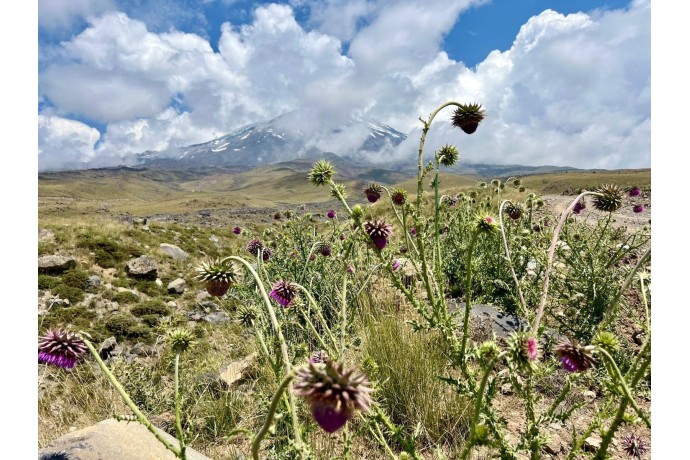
(107, 347)
(177, 286)
(93, 282)
(173, 251)
(45, 235)
(114, 440)
(144, 267)
(55, 264)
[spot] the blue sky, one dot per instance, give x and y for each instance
(564, 82)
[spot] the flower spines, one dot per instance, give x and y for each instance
(218, 276)
(333, 393)
(610, 198)
(180, 339)
(321, 173)
(373, 192)
(467, 117)
(634, 446)
(256, 247)
(575, 357)
(447, 155)
(399, 196)
(60, 348)
(378, 231)
(514, 210)
(284, 292)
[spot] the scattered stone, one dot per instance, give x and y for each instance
(144, 267)
(219, 317)
(214, 239)
(507, 389)
(209, 305)
(173, 251)
(106, 349)
(236, 370)
(45, 235)
(55, 264)
(171, 304)
(93, 282)
(177, 286)
(502, 324)
(202, 295)
(592, 444)
(159, 282)
(589, 394)
(114, 440)
(554, 445)
(131, 291)
(141, 350)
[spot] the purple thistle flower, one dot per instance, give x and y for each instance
(276, 216)
(579, 206)
(396, 264)
(350, 269)
(342, 237)
(254, 247)
(312, 257)
(325, 249)
(399, 197)
(378, 231)
(634, 446)
(283, 292)
(635, 191)
(237, 231)
(60, 348)
(413, 231)
(638, 208)
(373, 192)
(575, 357)
(331, 214)
(333, 393)
(319, 357)
(532, 348)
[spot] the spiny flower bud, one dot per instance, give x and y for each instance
(575, 357)
(485, 223)
(321, 173)
(487, 351)
(218, 276)
(610, 198)
(399, 196)
(180, 339)
(357, 214)
(373, 192)
(246, 315)
(447, 155)
(60, 348)
(378, 231)
(324, 249)
(256, 247)
(606, 340)
(333, 393)
(467, 117)
(283, 292)
(331, 214)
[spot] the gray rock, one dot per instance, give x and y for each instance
(144, 267)
(502, 324)
(140, 349)
(114, 440)
(93, 282)
(45, 235)
(209, 305)
(591, 444)
(219, 317)
(55, 264)
(173, 251)
(177, 286)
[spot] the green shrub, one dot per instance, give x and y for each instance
(150, 288)
(150, 307)
(151, 320)
(125, 297)
(47, 281)
(75, 278)
(74, 294)
(125, 326)
(77, 318)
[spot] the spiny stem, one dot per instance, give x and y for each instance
(468, 296)
(133, 407)
(616, 374)
(523, 304)
(256, 443)
(178, 409)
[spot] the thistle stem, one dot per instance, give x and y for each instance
(616, 374)
(256, 443)
(468, 296)
(523, 304)
(178, 410)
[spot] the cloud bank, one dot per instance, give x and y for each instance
(572, 90)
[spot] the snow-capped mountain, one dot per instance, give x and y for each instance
(281, 139)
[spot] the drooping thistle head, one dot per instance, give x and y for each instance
(237, 230)
(60, 348)
(218, 275)
(611, 198)
(481, 184)
(246, 315)
(638, 208)
(325, 249)
(575, 357)
(256, 247)
(284, 292)
(373, 192)
(333, 393)
(321, 173)
(447, 155)
(378, 231)
(277, 215)
(521, 188)
(399, 196)
(180, 339)
(331, 214)
(468, 116)
(496, 183)
(396, 264)
(514, 210)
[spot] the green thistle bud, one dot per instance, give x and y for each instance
(447, 155)
(521, 189)
(485, 223)
(180, 339)
(357, 214)
(487, 351)
(321, 173)
(607, 341)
